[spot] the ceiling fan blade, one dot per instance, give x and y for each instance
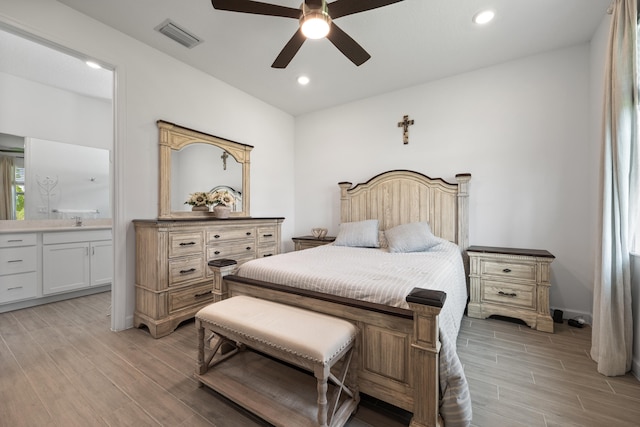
(348, 7)
(256, 7)
(289, 51)
(348, 46)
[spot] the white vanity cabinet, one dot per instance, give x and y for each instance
(18, 267)
(74, 260)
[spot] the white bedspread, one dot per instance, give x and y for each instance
(375, 275)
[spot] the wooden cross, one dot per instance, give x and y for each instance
(224, 160)
(404, 124)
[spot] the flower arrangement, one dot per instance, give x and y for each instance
(222, 198)
(200, 198)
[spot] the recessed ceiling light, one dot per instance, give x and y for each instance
(484, 17)
(93, 64)
(303, 80)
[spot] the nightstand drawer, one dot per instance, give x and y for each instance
(515, 270)
(509, 294)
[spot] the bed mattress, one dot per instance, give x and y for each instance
(378, 276)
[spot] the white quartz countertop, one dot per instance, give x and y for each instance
(53, 225)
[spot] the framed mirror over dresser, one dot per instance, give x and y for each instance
(173, 280)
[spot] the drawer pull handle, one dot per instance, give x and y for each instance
(248, 233)
(187, 243)
(266, 255)
(14, 288)
(267, 235)
(202, 294)
(248, 248)
(15, 260)
(217, 236)
(216, 253)
(506, 294)
(191, 270)
(14, 240)
(506, 270)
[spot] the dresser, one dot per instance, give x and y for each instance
(173, 280)
(511, 282)
(306, 242)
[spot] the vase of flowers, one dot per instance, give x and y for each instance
(222, 203)
(200, 201)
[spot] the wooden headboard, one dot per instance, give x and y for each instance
(402, 196)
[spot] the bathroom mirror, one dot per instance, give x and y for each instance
(56, 132)
(193, 161)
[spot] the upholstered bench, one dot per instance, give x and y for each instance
(313, 341)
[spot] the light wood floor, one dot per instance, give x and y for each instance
(61, 366)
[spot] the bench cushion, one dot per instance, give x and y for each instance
(314, 336)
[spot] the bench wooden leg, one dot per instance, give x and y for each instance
(322, 375)
(330, 411)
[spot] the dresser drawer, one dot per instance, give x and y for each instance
(517, 295)
(218, 234)
(13, 240)
(15, 287)
(245, 248)
(181, 244)
(266, 251)
(185, 269)
(192, 296)
(512, 269)
(266, 235)
(18, 260)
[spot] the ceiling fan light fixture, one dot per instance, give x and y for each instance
(315, 24)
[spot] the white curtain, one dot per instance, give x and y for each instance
(612, 333)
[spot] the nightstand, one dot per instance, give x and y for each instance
(511, 282)
(306, 242)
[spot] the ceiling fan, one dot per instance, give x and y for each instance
(316, 21)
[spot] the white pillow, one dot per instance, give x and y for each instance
(362, 234)
(413, 237)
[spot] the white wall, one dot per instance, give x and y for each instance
(65, 116)
(520, 128)
(152, 86)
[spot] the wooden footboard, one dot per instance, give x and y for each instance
(398, 361)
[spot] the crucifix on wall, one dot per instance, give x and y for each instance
(224, 160)
(404, 124)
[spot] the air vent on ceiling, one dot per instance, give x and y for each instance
(180, 35)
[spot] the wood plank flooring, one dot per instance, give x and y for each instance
(61, 366)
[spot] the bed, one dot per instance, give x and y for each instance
(406, 349)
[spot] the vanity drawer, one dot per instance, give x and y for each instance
(512, 269)
(218, 234)
(266, 235)
(186, 269)
(192, 296)
(246, 248)
(517, 295)
(18, 260)
(13, 240)
(181, 244)
(14, 287)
